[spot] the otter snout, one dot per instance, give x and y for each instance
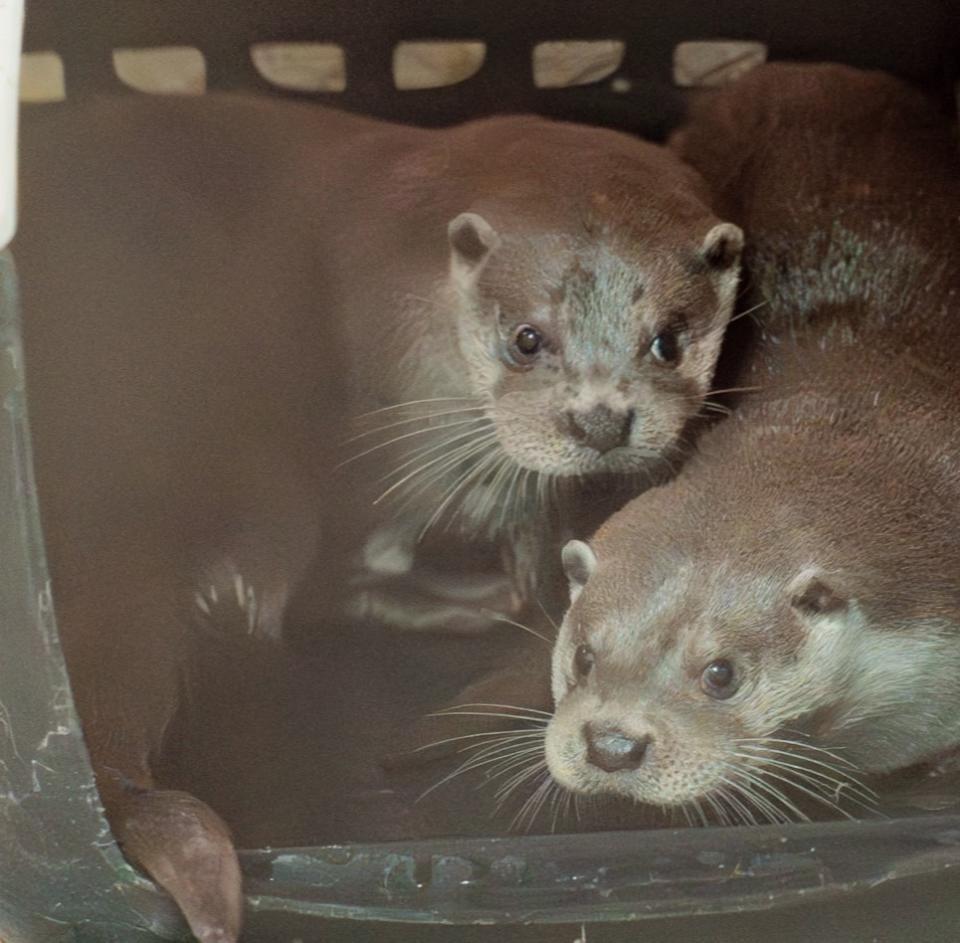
(600, 428)
(611, 749)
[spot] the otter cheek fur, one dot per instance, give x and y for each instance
(598, 364)
(676, 696)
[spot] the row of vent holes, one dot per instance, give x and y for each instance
(321, 67)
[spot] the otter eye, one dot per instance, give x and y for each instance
(583, 660)
(719, 680)
(527, 341)
(665, 347)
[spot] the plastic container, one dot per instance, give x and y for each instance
(61, 875)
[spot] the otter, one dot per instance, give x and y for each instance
(213, 287)
(783, 619)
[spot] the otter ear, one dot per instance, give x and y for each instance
(579, 562)
(472, 239)
(722, 246)
(812, 595)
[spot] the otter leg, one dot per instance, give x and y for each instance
(430, 599)
(403, 586)
(128, 641)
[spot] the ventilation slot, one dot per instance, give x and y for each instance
(163, 70)
(302, 67)
(572, 62)
(706, 64)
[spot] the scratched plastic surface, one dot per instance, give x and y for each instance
(62, 877)
(58, 865)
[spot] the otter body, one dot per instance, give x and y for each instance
(212, 288)
(784, 618)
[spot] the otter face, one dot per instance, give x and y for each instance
(674, 685)
(592, 355)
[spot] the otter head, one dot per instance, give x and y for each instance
(594, 350)
(710, 660)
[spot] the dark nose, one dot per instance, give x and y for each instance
(600, 428)
(612, 749)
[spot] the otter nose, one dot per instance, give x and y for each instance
(612, 749)
(600, 428)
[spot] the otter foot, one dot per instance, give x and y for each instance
(187, 849)
(430, 601)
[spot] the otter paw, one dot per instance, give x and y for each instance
(186, 848)
(429, 601)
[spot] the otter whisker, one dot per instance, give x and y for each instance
(712, 407)
(507, 789)
(490, 499)
(459, 771)
(446, 460)
(470, 736)
(748, 312)
(417, 402)
(484, 486)
(531, 808)
(513, 495)
(459, 713)
(421, 451)
(822, 770)
(701, 397)
(718, 810)
(555, 796)
(570, 803)
(533, 764)
(498, 617)
(549, 618)
(455, 488)
(473, 762)
(798, 784)
(763, 805)
(771, 812)
(405, 422)
(512, 707)
(439, 466)
(773, 792)
(408, 435)
(832, 789)
(478, 425)
(508, 731)
(505, 763)
(700, 814)
(743, 811)
(476, 466)
(803, 745)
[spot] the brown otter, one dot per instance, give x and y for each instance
(211, 287)
(784, 617)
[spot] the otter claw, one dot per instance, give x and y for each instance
(187, 849)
